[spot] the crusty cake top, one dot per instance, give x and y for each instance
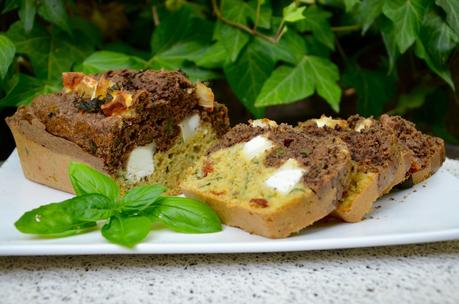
(109, 114)
(372, 147)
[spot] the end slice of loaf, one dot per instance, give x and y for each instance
(380, 161)
(140, 127)
(271, 180)
(428, 151)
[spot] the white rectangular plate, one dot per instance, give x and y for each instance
(429, 212)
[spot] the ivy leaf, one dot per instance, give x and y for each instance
(51, 53)
(25, 89)
(54, 12)
(198, 74)
(314, 47)
(350, 4)
(288, 84)
(247, 75)
(213, 57)
(291, 48)
(388, 35)
(324, 75)
(9, 5)
(27, 11)
(181, 51)
(440, 38)
(264, 18)
(407, 16)
(374, 88)
(7, 50)
(192, 72)
(101, 61)
(180, 36)
(316, 21)
(232, 38)
(285, 85)
(451, 8)
(88, 31)
(435, 44)
(413, 100)
(293, 13)
(441, 70)
(369, 10)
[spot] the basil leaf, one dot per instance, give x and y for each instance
(88, 180)
(141, 197)
(126, 230)
(56, 219)
(92, 207)
(186, 215)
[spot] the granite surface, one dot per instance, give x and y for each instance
(426, 273)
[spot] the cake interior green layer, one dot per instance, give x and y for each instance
(170, 166)
(229, 176)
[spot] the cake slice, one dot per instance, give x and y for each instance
(137, 126)
(269, 179)
(380, 161)
(428, 151)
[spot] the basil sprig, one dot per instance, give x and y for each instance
(126, 220)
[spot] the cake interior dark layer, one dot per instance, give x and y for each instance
(422, 145)
(372, 148)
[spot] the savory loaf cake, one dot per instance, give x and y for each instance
(380, 161)
(428, 151)
(271, 179)
(137, 126)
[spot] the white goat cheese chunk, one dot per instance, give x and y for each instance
(140, 163)
(189, 125)
(256, 147)
(286, 177)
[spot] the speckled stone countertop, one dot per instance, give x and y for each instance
(426, 273)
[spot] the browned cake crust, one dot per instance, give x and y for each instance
(428, 151)
(160, 100)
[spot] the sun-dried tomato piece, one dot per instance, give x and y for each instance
(207, 168)
(258, 203)
(71, 79)
(121, 102)
(217, 193)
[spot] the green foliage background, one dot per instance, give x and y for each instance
(392, 54)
